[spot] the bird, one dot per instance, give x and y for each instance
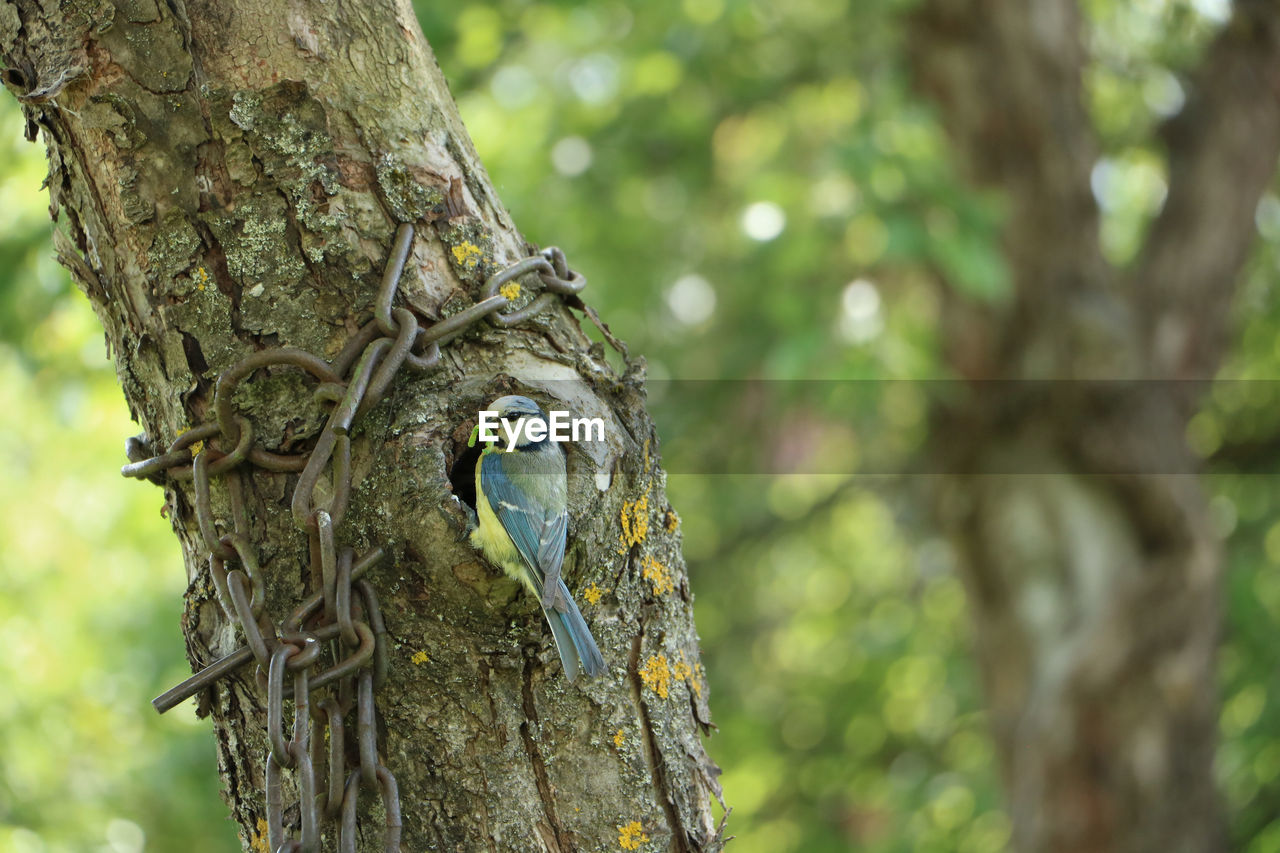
(522, 522)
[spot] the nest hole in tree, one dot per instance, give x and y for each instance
(462, 474)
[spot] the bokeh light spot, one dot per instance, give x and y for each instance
(1215, 10)
(125, 836)
(692, 300)
(571, 156)
(1162, 92)
(513, 86)
(763, 221)
(860, 318)
(594, 78)
(1267, 217)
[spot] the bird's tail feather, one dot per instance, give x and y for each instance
(573, 639)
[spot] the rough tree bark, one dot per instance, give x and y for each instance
(230, 174)
(1094, 578)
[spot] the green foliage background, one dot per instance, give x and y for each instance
(755, 193)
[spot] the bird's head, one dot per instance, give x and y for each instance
(515, 414)
(514, 407)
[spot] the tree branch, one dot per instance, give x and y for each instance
(1007, 76)
(1223, 149)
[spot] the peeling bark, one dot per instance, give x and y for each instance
(1094, 592)
(229, 175)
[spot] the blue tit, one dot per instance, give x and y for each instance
(521, 507)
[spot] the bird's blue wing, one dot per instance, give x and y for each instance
(551, 560)
(521, 516)
(540, 541)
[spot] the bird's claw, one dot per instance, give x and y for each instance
(473, 521)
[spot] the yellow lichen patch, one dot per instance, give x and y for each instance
(631, 836)
(419, 658)
(593, 593)
(696, 683)
(656, 675)
(635, 520)
(195, 446)
(511, 290)
(258, 841)
(467, 255)
(681, 671)
(201, 277)
(657, 574)
(619, 738)
(671, 522)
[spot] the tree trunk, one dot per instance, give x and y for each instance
(1094, 573)
(230, 175)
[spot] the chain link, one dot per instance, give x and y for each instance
(331, 622)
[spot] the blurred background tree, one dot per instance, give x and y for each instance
(757, 193)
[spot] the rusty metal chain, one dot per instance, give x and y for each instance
(340, 622)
